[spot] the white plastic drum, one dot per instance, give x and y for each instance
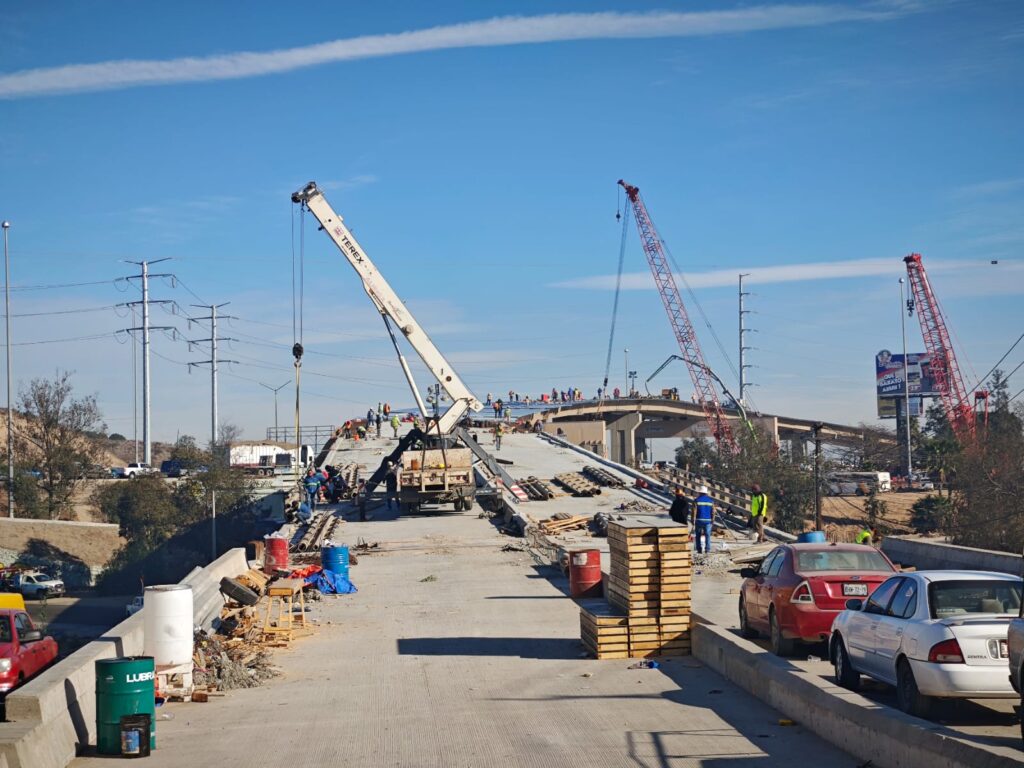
(167, 624)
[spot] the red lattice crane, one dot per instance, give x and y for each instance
(682, 327)
(945, 369)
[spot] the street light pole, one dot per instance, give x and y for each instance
(906, 383)
(626, 353)
(10, 421)
(275, 390)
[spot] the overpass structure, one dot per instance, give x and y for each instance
(632, 421)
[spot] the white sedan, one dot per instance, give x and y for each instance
(932, 634)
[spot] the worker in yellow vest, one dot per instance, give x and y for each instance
(867, 536)
(758, 510)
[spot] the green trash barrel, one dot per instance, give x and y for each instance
(124, 686)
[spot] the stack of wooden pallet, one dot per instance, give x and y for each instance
(604, 630)
(649, 583)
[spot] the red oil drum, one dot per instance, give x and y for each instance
(275, 556)
(585, 573)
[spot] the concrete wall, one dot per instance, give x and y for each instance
(590, 433)
(881, 735)
(54, 716)
(929, 554)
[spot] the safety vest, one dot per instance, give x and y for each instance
(705, 509)
(758, 505)
(864, 536)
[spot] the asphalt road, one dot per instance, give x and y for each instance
(76, 619)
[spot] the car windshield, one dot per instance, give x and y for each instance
(842, 560)
(42, 577)
(954, 598)
(5, 629)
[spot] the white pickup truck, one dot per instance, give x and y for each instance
(38, 585)
(135, 469)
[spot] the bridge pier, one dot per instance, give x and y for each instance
(624, 439)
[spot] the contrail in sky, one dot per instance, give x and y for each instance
(502, 31)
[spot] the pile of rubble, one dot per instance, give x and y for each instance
(224, 664)
(712, 563)
(637, 507)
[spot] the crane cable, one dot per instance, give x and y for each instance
(615, 304)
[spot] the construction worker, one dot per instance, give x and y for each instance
(499, 430)
(378, 421)
(758, 510)
(391, 483)
(703, 519)
(312, 485)
(867, 536)
(680, 509)
(346, 430)
(395, 424)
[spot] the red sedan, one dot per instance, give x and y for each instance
(799, 588)
(24, 650)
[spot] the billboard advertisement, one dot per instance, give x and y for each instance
(889, 381)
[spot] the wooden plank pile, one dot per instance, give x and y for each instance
(562, 522)
(604, 630)
(648, 589)
(577, 484)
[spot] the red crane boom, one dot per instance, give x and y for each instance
(680, 321)
(945, 369)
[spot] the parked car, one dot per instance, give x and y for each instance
(800, 588)
(92, 472)
(24, 651)
(1015, 648)
(135, 469)
(37, 584)
(932, 634)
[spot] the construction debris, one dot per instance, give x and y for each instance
(562, 522)
(601, 520)
(224, 664)
(637, 507)
(712, 563)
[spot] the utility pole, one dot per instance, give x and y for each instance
(10, 421)
(743, 347)
(817, 427)
(147, 454)
(906, 379)
(275, 390)
(135, 393)
(212, 362)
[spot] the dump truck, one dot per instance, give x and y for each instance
(435, 476)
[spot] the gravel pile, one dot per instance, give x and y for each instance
(712, 564)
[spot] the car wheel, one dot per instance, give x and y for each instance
(745, 629)
(908, 696)
(131, 475)
(467, 503)
(846, 675)
(780, 645)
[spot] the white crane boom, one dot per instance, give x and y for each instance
(391, 308)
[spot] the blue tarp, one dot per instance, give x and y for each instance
(331, 583)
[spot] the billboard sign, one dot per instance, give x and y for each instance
(889, 381)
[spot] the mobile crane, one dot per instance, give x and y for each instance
(443, 472)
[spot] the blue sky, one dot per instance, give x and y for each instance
(812, 145)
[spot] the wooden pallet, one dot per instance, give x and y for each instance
(555, 525)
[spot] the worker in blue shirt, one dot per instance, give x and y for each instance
(703, 518)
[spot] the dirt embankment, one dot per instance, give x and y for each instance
(846, 515)
(92, 544)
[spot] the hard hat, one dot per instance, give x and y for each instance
(703, 489)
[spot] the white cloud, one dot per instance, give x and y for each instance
(502, 31)
(991, 188)
(778, 273)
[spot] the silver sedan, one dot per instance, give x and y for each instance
(932, 634)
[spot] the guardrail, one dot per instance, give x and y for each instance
(53, 716)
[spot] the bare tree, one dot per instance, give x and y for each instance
(52, 433)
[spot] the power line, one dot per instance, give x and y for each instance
(51, 286)
(62, 341)
(64, 311)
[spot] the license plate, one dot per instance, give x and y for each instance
(855, 590)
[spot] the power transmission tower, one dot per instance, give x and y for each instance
(743, 339)
(147, 454)
(213, 361)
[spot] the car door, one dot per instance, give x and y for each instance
(861, 625)
(889, 632)
(773, 581)
(26, 651)
(757, 613)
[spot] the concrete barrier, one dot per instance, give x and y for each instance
(929, 554)
(53, 717)
(871, 732)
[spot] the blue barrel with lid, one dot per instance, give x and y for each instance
(811, 537)
(335, 559)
